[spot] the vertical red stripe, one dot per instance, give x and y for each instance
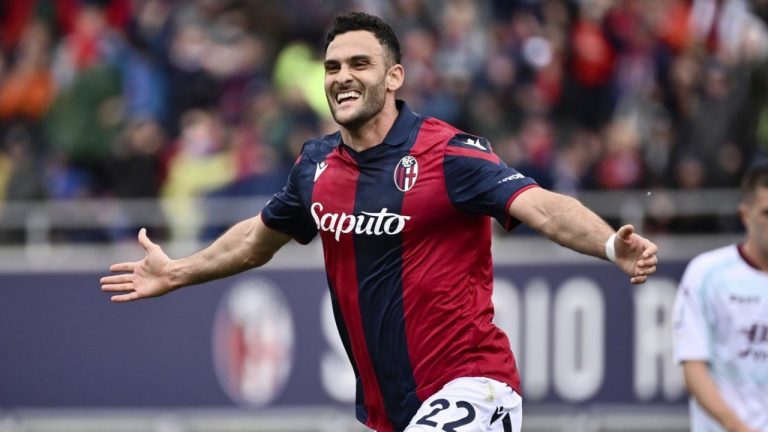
(336, 190)
(448, 280)
(436, 255)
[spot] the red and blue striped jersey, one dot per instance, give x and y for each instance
(406, 236)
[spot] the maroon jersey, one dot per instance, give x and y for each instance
(406, 236)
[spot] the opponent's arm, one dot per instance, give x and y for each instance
(246, 245)
(566, 221)
(704, 389)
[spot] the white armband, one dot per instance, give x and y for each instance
(610, 249)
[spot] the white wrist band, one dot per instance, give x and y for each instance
(610, 249)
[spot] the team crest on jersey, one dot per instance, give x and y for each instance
(406, 172)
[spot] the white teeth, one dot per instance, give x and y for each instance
(349, 94)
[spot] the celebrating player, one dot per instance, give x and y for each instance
(721, 323)
(402, 204)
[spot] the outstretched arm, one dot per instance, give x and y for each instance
(704, 389)
(246, 245)
(567, 222)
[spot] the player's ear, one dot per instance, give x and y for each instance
(395, 77)
(743, 209)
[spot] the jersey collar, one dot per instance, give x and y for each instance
(402, 127)
(746, 258)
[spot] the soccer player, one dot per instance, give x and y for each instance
(402, 205)
(721, 323)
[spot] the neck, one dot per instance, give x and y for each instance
(373, 131)
(756, 256)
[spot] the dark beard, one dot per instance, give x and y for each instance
(371, 107)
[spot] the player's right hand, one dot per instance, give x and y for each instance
(140, 279)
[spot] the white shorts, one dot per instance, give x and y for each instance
(470, 405)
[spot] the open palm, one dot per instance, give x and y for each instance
(139, 279)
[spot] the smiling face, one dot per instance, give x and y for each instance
(359, 78)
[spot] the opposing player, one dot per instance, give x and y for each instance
(721, 323)
(402, 204)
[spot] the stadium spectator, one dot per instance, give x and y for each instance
(199, 162)
(21, 180)
(135, 171)
(28, 88)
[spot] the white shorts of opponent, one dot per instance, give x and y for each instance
(470, 405)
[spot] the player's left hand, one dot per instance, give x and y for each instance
(635, 254)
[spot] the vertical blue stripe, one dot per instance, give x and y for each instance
(380, 283)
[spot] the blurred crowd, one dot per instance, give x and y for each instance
(206, 98)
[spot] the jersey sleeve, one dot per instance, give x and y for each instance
(690, 319)
(479, 182)
(286, 213)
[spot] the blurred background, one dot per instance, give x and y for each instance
(185, 116)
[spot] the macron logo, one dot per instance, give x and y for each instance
(475, 143)
(497, 415)
(321, 166)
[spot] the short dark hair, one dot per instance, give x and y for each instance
(755, 177)
(354, 21)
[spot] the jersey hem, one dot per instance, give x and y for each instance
(511, 223)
